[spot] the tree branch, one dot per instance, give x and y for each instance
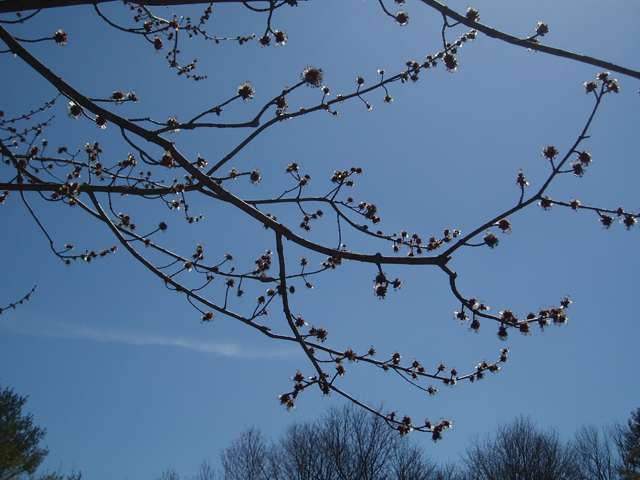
(22, 5)
(505, 37)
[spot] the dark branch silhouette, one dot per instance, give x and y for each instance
(30, 169)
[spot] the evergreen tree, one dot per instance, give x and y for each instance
(19, 438)
(628, 440)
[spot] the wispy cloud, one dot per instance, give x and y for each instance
(50, 328)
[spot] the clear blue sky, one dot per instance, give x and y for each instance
(129, 382)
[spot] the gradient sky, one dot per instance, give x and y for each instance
(129, 382)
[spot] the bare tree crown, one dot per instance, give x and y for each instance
(149, 164)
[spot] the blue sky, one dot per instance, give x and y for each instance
(129, 382)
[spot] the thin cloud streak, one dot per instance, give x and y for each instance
(65, 330)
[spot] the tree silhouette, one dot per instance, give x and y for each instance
(19, 438)
(345, 442)
(114, 183)
(520, 450)
(595, 453)
(627, 438)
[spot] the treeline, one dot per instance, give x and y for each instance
(348, 444)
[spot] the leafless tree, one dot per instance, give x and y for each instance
(520, 451)
(205, 472)
(247, 457)
(595, 453)
(451, 471)
(299, 455)
(408, 462)
(111, 186)
(343, 444)
(169, 474)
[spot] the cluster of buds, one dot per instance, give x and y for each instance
(101, 122)
(177, 188)
(157, 43)
(402, 18)
(504, 225)
(448, 236)
(254, 177)
(129, 162)
(417, 369)
(413, 68)
(87, 256)
(475, 306)
(395, 358)
(508, 317)
(300, 322)
(369, 210)
(282, 290)
(119, 97)
(473, 15)
(415, 242)
(263, 263)
(453, 379)
(292, 167)
(173, 123)
(438, 428)
(545, 203)
(555, 315)
(608, 84)
(125, 222)
(60, 37)
(319, 333)
(342, 177)
(281, 104)
(490, 239)
(332, 262)
(461, 315)
(627, 219)
(542, 29)
(521, 181)
(350, 355)
(312, 77)
(405, 426)
(68, 190)
(582, 161)
(199, 253)
(448, 57)
(492, 367)
(245, 91)
(288, 400)
(75, 110)
(167, 160)
(450, 62)
(280, 37)
(549, 152)
(308, 217)
(381, 285)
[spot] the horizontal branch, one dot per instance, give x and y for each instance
(88, 187)
(22, 5)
